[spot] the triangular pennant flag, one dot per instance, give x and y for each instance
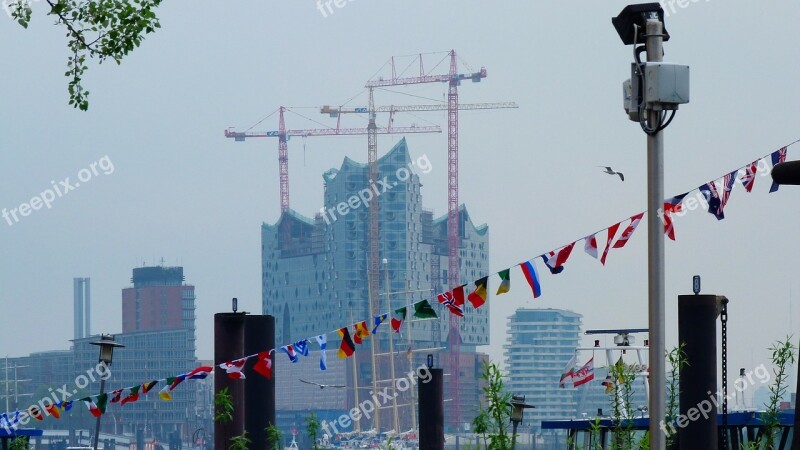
(628, 232)
(290, 352)
(361, 331)
(778, 157)
(478, 296)
(116, 396)
(398, 321)
(590, 246)
(36, 413)
(379, 320)
(133, 395)
(347, 348)
(264, 365)
(234, 368)
(65, 405)
(146, 387)
(52, 410)
(166, 392)
(322, 340)
(749, 177)
(93, 408)
(608, 382)
(612, 233)
(99, 403)
(532, 275)
(301, 347)
(199, 373)
(505, 281)
(424, 310)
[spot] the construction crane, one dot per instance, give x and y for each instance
(391, 109)
(453, 80)
(335, 112)
(283, 136)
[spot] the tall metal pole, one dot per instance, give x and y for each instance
(373, 358)
(356, 423)
(391, 351)
(373, 282)
(655, 245)
(514, 434)
(411, 362)
(97, 424)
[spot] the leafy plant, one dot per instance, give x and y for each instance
(497, 411)
(677, 361)
(18, 443)
(312, 429)
(97, 29)
(241, 442)
(480, 425)
(274, 437)
(224, 406)
(783, 354)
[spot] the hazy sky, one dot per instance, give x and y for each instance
(181, 191)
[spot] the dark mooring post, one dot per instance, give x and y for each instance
(228, 345)
(259, 391)
(431, 411)
(697, 331)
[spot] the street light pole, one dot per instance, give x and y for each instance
(517, 411)
(391, 349)
(655, 266)
(107, 345)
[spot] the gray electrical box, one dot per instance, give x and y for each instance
(665, 85)
(629, 102)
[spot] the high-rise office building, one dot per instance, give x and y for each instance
(158, 300)
(82, 306)
(314, 273)
(540, 344)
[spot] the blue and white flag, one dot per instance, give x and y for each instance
(301, 347)
(323, 343)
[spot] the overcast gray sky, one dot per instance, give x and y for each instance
(181, 191)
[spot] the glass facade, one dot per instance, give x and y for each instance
(314, 271)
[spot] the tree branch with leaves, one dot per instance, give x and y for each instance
(95, 29)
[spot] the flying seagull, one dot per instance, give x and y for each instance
(323, 386)
(610, 171)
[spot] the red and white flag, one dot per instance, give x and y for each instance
(612, 233)
(234, 368)
(584, 375)
(590, 246)
(264, 365)
(628, 231)
(555, 260)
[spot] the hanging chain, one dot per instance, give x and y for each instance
(723, 444)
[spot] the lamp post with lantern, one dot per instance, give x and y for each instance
(107, 345)
(518, 406)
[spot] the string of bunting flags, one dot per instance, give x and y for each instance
(715, 194)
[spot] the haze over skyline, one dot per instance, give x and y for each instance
(181, 191)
